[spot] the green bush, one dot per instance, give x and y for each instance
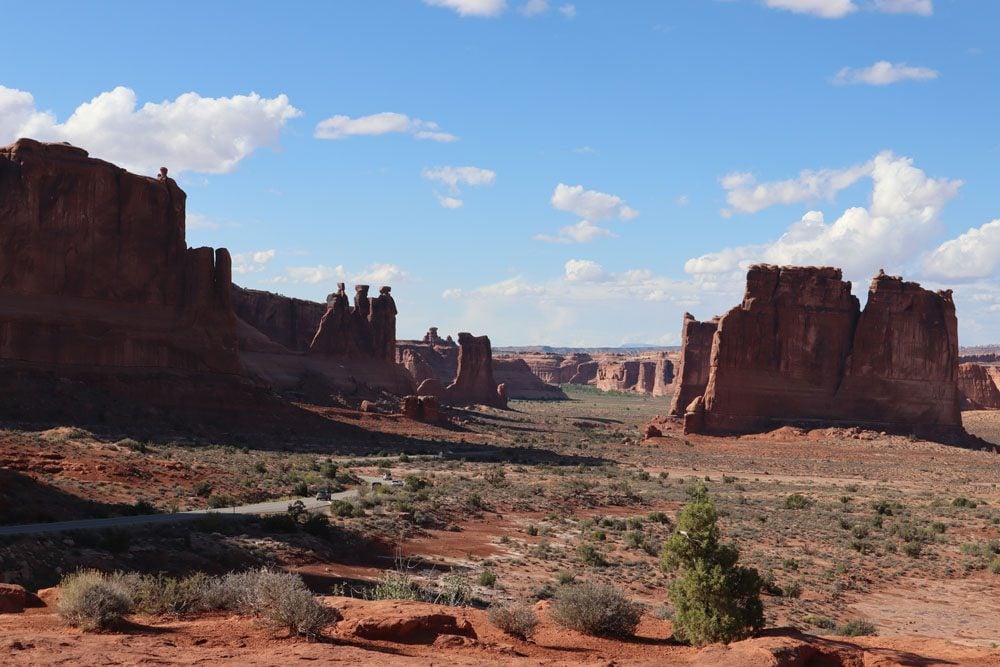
(92, 600)
(797, 501)
(487, 578)
(589, 554)
(517, 620)
(714, 598)
(595, 609)
(855, 628)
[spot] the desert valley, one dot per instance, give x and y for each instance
(789, 456)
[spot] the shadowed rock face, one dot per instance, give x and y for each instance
(799, 347)
(978, 388)
(95, 271)
(290, 322)
(521, 383)
(694, 367)
(474, 383)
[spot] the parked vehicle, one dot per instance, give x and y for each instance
(323, 495)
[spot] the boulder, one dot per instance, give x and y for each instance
(12, 598)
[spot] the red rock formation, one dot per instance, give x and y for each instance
(663, 376)
(694, 367)
(903, 367)
(553, 368)
(977, 388)
(797, 348)
(95, 271)
(521, 383)
(290, 322)
(474, 382)
(422, 408)
(586, 373)
(617, 376)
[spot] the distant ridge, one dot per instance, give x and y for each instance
(635, 348)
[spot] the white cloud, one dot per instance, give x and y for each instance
(534, 7)
(582, 232)
(901, 218)
(482, 8)
(449, 202)
(584, 271)
(972, 255)
(884, 73)
(591, 204)
(921, 7)
(585, 150)
(568, 10)
(745, 195)
(387, 122)
(189, 134)
(381, 274)
(455, 176)
(828, 9)
(252, 262)
(682, 200)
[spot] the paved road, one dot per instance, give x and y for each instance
(270, 507)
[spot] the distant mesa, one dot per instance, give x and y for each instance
(800, 349)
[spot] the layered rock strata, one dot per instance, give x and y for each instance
(799, 348)
(95, 272)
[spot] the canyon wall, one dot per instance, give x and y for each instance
(95, 272)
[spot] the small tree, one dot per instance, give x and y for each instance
(714, 598)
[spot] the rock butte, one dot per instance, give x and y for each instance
(799, 348)
(978, 387)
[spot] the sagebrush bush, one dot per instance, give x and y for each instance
(92, 600)
(281, 598)
(715, 599)
(517, 620)
(855, 628)
(595, 609)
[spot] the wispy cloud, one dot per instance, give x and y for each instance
(884, 73)
(387, 122)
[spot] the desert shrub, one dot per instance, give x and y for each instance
(797, 501)
(715, 599)
(92, 600)
(995, 565)
(300, 488)
(855, 628)
(517, 620)
(589, 554)
(394, 585)
(218, 502)
(595, 609)
(487, 578)
(495, 476)
(342, 508)
(532, 530)
(454, 590)
(565, 577)
(316, 524)
(160, 594)
(963, 502)
(280, 598)
(203, 489)
(658, 517)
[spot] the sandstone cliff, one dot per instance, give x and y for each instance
(95, 272)
(800, 349)
(977, 387)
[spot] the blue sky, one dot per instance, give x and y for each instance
(566, 173)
